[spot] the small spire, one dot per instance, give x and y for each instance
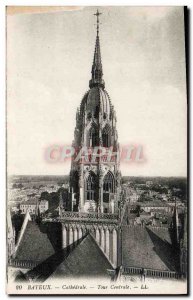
(97, 71)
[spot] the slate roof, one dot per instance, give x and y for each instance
(35, 245)
(147, 248)
(86, 260)
(163, 234)
(33, 201)
(155, 203)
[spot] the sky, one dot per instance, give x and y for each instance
(49, 59)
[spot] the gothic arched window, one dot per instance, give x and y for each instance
(106, 136)
(108, 186)
(93, 137)
(90, 187)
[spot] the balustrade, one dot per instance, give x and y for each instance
(23, 263)
(78, 216)
(151, 272)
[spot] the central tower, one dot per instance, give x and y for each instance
(95, 178)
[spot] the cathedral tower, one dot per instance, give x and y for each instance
(94, 178)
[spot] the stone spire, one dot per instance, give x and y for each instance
(97, 70)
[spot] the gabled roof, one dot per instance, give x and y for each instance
(86, 260)
(34, 245)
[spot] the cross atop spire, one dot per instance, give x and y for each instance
(97, 71)
(97, 15)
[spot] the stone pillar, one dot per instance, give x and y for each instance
(97, 235)
(101, 191)
(71, 239)
(72, 198)
(114, 233)
(81, 207)
(112, 206)
(75, 234)
(102, 239)
(79, 233)
(81, 185)
(83, 231)
(64, 237)
(101, 199)
(107, 243)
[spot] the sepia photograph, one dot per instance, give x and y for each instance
(96, 148)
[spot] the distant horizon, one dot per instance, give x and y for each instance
(152, 176)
